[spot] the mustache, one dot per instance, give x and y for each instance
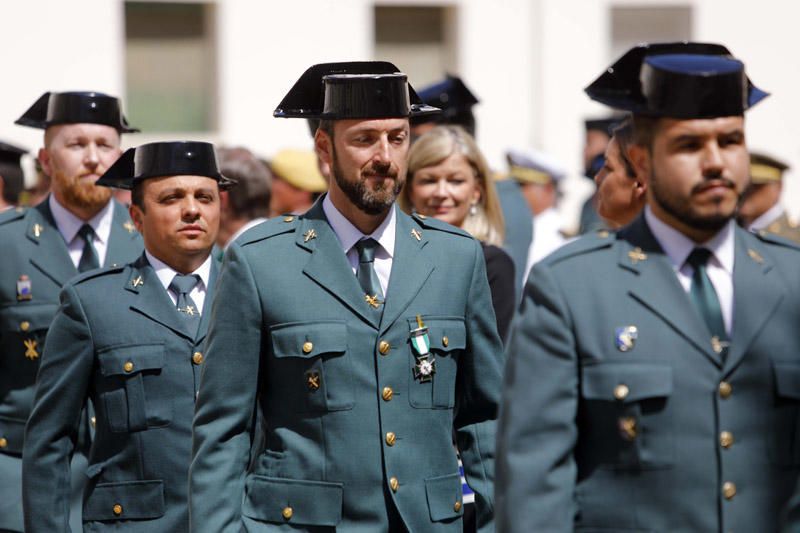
(382, 170)
(715, 181)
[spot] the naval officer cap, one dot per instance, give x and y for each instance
(454, 98)
(683, 80)
(159, 159)
(76, 107)
(353, 90)
(533, 166)
(766, 169)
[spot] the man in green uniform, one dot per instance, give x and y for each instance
(128, 338)
(364, 336)
(653, 381)
(77, 228)
(760, 208)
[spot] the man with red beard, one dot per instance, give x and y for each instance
(365, 337)
(77, 228)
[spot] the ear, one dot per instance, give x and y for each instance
(639, 189)
(639, 157)
(224, 200)
(323, 144)
(137, 216)
(44, 160)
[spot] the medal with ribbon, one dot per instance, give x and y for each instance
(425, 367)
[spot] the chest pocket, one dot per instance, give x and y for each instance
(447, 337)
(785, 440)
(23, 328)
(624, 408)
(133, 392)
(311, 370)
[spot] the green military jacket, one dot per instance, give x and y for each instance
(619, 412)
(35, 263)
(351, 437)
(118, 341)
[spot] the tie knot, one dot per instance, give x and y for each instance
(86, 232)
(183, 284)
(366, 250)
(699, 257)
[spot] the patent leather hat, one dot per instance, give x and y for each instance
(159, 159)
(77, 107)
(454, 98)
(683, 80)
(353, 90)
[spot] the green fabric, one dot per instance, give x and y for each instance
(703, 295)
(366, 275)
(89, 260)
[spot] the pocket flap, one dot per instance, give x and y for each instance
(787, 379)
(308, 339)
(293, 501)
(27, 318)
(444, 497)
(124, 360)
(444, 333)
(125, 500)
(13, 430)
(626, 382)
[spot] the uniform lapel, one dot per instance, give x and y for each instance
(152, 300)
(410, 268)
(206, 316)
(757, 291)
(123, 234)
(51, 255)
(328, 265)
(656, 286)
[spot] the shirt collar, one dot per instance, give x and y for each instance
(68, 223)
(166, 273)
(349, 235)
(678, 246)
(768, 217)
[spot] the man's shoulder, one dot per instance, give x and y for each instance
(268, 229)
(436, 225)
(102, 278)
(585, 248)
(16, 217)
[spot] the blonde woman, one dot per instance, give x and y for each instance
(448, 179)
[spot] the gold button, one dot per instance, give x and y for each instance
(128, 366)
(726, 439)
(287, 513)
(621, 391)
(93, 421)
(117, 509)
(391, 438)
(3, 442)
(445, 341)
(24, 325)
(728, 490)
(197, 358)
(384, 347)
(308, 346)
(387, 393)
(457, 506)
(725, 389)
(393, 484)
(288, 219)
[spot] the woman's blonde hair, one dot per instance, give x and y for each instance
(437, 145)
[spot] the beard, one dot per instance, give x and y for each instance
(371, 201)
(81, 193)
(683, 210)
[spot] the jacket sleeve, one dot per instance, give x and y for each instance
(222, 427)
(52, 430)
(537, 430)
(478, 394)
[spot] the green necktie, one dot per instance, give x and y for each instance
(704, 298)
(182, 285)
(89, 260)
(367, 278)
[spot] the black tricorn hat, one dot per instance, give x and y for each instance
(158, 159)
(358, 89)
(78, 107)
(455, 100)
(603, 124)
(680, 80)
(11, 153)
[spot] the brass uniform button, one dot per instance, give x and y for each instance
(387, 393)
(24, 325)
(384, 347)
(725, 389)
(621, 391)
(288, 219)
(391, 438)
(308, 346)
(393, 483)
(726, 439)
(287, 513)
(117, 509)
(128, 366)
(3, 442)
(457, 506)
(197, 358)
(445, 341)
(729, 490)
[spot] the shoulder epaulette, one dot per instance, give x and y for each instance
(97, 273)
(772, 238)
(15, 213)
(269, 228)
(436, 224)
(589, 242)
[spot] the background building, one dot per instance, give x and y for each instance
(215, 70)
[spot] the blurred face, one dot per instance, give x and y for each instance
(696, 171)
(179, 219)
(595, 143)
(75, 156)
(620, 197)
(446, 190)
(368, 162)
(758, 199)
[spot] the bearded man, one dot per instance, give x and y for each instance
(364, 336)
(77, 228)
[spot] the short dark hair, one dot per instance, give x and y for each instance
(644, 130)
(624, 136)
(327, 127)
(251, 196)
(13, 181)
(137, 194)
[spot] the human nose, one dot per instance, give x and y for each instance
(713, 163)
(382, 151)
(191, 209)
(91, 157)
(441, 190)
